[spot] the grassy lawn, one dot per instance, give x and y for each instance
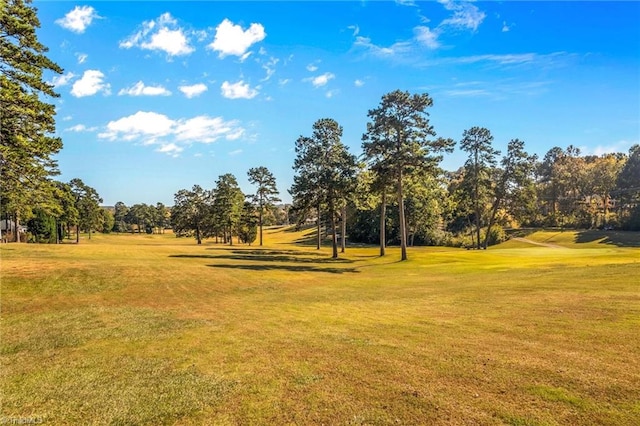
(130, 329)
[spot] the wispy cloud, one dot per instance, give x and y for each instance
(495, 90)
(63, 80)
(613, 147)
(320, 80)
(465, 15)
(78, 128)
(140, 89)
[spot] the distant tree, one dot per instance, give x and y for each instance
(398, 142)
(248, 225)
(266, 192)
(106, 221)
(306, 190)
(68, 215)
(87, 202)
(189, 212)
(479, 168)
(27, 122)
(628, 190)
(325, 171)
(162, 217)
(228, 203)
(120, 217)
(515, 176)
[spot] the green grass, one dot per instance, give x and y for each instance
(136, 329)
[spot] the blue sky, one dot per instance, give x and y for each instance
(159, 96)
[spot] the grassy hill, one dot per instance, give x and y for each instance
(140, 329)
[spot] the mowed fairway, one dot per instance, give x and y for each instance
(131, 329)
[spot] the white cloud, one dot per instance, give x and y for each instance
(284, 81)
(92, 82)
(358, 83)
(312, 67)
(139, 89)
(355, 29)
(231, 39)
(62, 80)
(171, 149)
(82, 57)
(151, 128)
(81, 128)
(236, 152)
(505, 27)
(163, 34)
(321, 80)
(239, 90)
(465, 15)
(205, 129)
(193, 90)
(427, 37)
(141, 125)
(78, 19)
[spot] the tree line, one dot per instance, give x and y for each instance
(395, 192)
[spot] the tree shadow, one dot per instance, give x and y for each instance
(269, 252)
(262, 258)
(616, 238)
(292, 268)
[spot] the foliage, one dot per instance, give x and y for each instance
(42, 227)
(189, 213)
(228, 201)
(87, 203)
(248, 226)
(325, 174)
(27, 121)
(398, 142)
(266, 192)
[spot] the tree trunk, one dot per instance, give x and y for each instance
(383, 214)
(319, 237)
(77, 233)
(343, 233)
(403, 224)
(334, 235)
(492, 221)
(260, 220)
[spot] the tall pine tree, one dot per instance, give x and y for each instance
(26, 121)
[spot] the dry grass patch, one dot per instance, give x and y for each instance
(157, 330)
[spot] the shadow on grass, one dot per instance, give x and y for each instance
(292, 268)
(616, 238)
(268, 252)
(241, 255)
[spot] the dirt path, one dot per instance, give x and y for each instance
(525, 240)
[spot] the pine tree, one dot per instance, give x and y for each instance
(26, 120)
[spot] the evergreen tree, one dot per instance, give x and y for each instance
(398, 142)
(26, 120)
(266, 192)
